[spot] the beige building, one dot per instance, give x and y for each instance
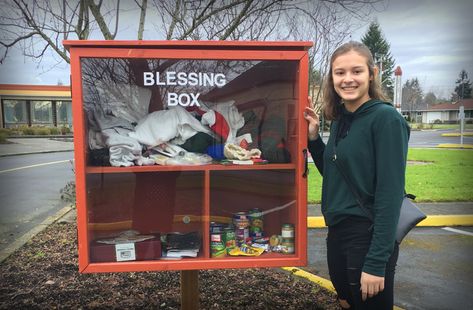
(35, 105)
(446, 112)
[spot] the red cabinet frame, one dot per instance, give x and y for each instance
(209, 178)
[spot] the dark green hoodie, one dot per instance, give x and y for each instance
(372, 146)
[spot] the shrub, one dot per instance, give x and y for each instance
(27, 130)
(42, 131)
(6, 131)
(54, 131)
(65, 130)
(3, 137)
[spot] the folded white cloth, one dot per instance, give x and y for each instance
(123, 149)
(175, 124)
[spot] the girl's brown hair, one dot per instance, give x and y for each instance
(332, 101)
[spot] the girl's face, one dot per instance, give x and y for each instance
(351, 79)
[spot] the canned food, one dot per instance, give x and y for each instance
(217, 245)
(240, 216)
(241, 223)
(240, 220)
(242, 235)
(256, 223)
(287, 245)
(287, 231)
(229, 238)
(216, 227)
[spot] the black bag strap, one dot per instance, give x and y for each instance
(353, 189)
(350, 184)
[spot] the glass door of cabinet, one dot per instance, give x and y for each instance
(173, 142)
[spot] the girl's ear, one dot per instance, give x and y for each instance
(375, 72)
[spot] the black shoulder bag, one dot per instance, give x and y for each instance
(410, 214)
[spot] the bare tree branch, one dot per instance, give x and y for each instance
(31, 22)
(13, 43)
(95, 10)
(141, 27)
(38, 27)
(116, 20)
(237, 20)
(175, 18)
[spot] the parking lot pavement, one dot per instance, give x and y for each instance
(19, 146)
(434, 268)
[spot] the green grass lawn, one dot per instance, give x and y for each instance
(446, 175)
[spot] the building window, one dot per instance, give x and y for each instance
(41, 113)
(64, 113)
(15, 113)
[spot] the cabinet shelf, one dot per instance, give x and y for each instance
(213, 167)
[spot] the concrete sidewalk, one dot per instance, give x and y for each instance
(22, 146)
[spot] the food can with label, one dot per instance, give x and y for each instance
(242, 225)
(287, 231)
(229, 238)
(217, 245)
(256, 223)
(287, 245)
(216, 227)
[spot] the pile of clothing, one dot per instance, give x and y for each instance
(174, 136)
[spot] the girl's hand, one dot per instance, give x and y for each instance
(313, 120)
(371, 285)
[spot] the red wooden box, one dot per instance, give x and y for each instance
(267, 84)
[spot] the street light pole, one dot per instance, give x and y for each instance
(461, 113)
(398, 89)
(379, 61)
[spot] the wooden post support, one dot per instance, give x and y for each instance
(189, 289)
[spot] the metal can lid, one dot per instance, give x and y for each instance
(287, 225)
(240, 215)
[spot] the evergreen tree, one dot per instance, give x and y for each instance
(463, 86)
(379, 47)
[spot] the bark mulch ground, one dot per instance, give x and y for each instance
(43, 274)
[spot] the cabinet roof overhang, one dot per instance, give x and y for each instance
(211, 45)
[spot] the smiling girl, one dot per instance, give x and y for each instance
(370, 139)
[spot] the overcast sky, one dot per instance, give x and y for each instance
(430, 39)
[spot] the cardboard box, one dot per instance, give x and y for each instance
(143, 250)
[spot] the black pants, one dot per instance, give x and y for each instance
(348, 243)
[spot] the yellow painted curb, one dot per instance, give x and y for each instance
(431, 220)
(456, 134)
(316, 222)
(327, 284)
(447, 220)
(457, 146)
